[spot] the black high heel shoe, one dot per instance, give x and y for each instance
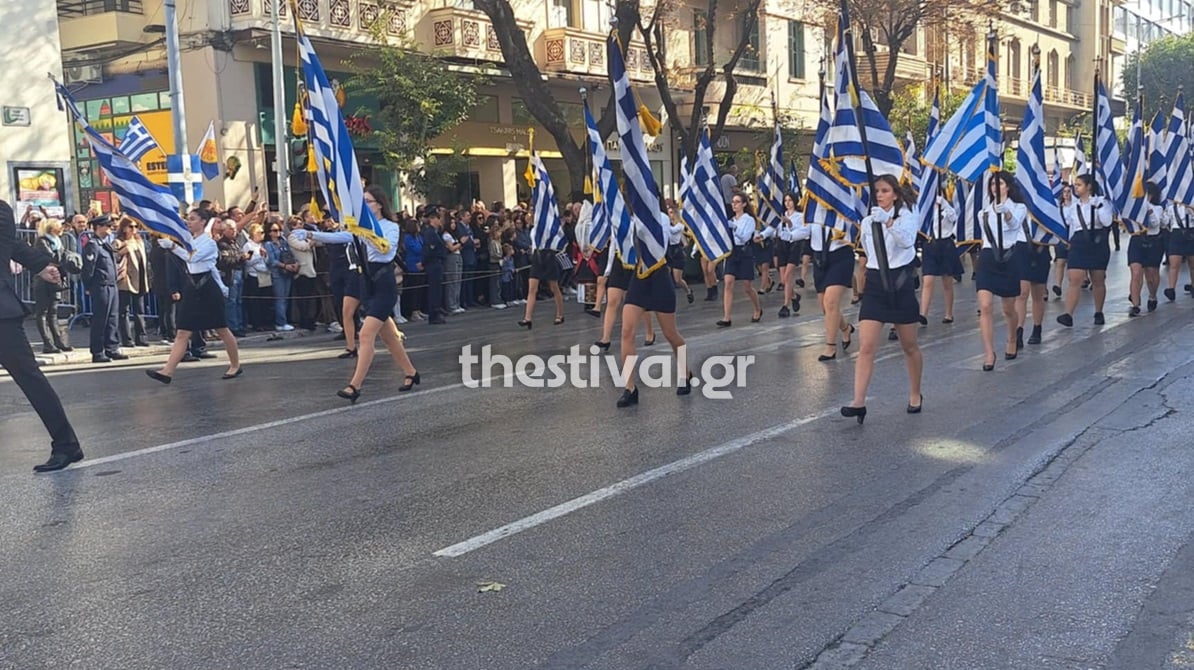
(687, 387)
(822, 358)
(525, 323)
(348, 353)
(628, 398)
(350, 396)
(987, 367)
(858, 412)
(1011, 356)
(559, 320)
(648, 343)
(604, 346)
(915, 409)
(756, 319)
(847, 342)
(409, 381)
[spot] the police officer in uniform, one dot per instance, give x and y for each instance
(434, 254)
(99, 276)
(15, 354)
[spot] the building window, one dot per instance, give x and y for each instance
(752, 55)
(700, 39)
(1053, 13)
(563, 14)
(1069, 72)
(1051, 74)
(1013, 60)
(795, 50)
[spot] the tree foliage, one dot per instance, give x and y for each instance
(671, 82)
(1164, 66)
(910, 109)
(418, 99)
(888, 26)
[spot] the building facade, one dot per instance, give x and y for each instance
(35, 153)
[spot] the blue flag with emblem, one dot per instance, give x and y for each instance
(185, 177)
(337, 170)
(153, 205)
(702, 207)
(1031, 175)
(642, 194)
(968, 144)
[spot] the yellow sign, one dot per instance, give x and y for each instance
(159, 124)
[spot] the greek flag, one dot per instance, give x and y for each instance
(1031, 176)
(913, 168)
(153, 205)
(968, 144)
(702, 207)
(794, 181)
(970, 199)
(1135, 210)
(1158, 149)
(1109, 170)
(934, 115)
(546, 232)
(771, 180)
(1057, 182)
(846, 149)
(642, 195)
(829, 202)
(607, 197)
(338, 172)
(928, 182)
(1181, 181)
(1081, 165)
(137, 141)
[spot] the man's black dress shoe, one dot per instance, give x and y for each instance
(100, 358)
(59, 460)
(117, 356)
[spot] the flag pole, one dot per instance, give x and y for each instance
(856, 103)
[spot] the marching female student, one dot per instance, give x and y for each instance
(1145, 250)
(617, 283)
(675, 250)
(891, 301)
(940, 260)
(1062, 249)
(652, 293)
(833, 275)
(1180, 245)
(1001, 221)
(1089, 218)
(740, 265)
(203, 295)
(1034, 262)
(379, 289)
(790, 250)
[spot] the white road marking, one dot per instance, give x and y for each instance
(625, 485)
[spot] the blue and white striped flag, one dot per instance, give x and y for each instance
(794, 181)
(1031, 175)
(547, 230)
(1135, 211)
(829, 202)
(1109, 171)
(846, 150)
(771, 183)
(1057, 183)
(913, 169)
(153, 205)
(968, 144)
(137, 141)
(338, 172)
(1081, 165)
(642, 195)
(1177, 154)
(934, 115)
(608, 198)
(703, 210)
(1158, 149)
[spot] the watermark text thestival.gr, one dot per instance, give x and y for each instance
(579, 370)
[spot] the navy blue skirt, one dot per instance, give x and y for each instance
(897, 306)
(1002, 279)
(1145, 250)
(619, 276)
(1061, 251)
(1180, 242)
(656, 293)
(1090, 250)
(741, 263)
(675, 256)
(764, 252)
(382, 291)
(545, 266)
(939, 258)
(1034, 262)
(835, 268)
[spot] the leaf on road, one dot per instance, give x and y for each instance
(494, 587)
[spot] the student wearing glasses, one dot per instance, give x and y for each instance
(380, 292)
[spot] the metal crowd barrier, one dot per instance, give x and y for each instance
(75, 301)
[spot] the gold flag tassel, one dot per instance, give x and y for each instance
(529, 175)
(651, 125)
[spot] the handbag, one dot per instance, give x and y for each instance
(265, 280)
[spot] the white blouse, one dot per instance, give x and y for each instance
(945, 221)
(743, 228)
(899, 239)
(1010, 216)
(793, 228)
(256, 263)
(1093, 213)
(389, 229)
(202, 259)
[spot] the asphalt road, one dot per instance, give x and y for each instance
(1032, 517)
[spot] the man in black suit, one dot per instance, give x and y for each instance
(15, 354)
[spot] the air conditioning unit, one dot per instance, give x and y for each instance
(83, 74)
